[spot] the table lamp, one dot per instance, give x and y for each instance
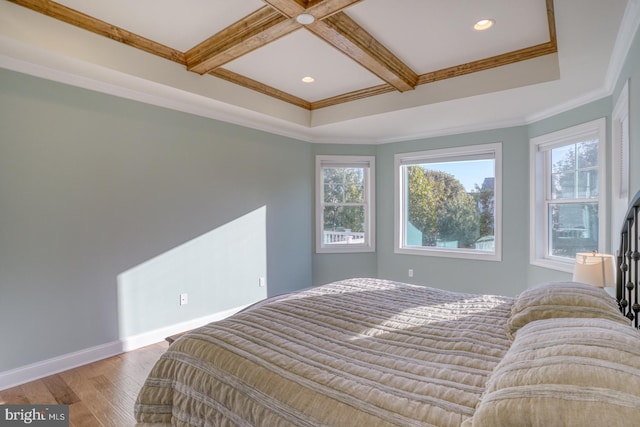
(595, 269)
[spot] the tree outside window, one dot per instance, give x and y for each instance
(441, 209)
(447, 202)
(344, 203)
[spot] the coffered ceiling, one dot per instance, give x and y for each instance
(382, 70)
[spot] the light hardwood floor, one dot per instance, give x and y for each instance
(98, 394)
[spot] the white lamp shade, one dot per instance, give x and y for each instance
(595, 269)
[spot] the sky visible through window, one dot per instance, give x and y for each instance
(468, 172)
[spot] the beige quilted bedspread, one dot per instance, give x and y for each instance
(360, 352)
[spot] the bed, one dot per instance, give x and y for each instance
(373, 352)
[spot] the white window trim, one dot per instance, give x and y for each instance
(620, 164)
(369, 178)
(445, 154)
(538, 182)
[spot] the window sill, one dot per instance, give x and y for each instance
(566, 267)
(472, 255)
(345, 250)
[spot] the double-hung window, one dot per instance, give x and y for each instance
(345, 206)
(567, 194)
(448, 202)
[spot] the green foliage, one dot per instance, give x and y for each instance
(440, 207)
(485, 200)
(344, 197)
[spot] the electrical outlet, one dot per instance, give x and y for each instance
(184, 299)
(411, 272)
(262, 282)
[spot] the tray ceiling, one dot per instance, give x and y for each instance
(391, 55)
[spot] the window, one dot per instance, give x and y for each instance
(567, 194)
(448, 202)
(345, 204)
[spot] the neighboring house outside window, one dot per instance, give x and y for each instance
(448, 202)
(345, 194)
(568, 194)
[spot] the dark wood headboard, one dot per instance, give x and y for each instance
(628, 260)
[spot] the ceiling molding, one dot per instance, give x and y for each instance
(277, 19)
(260, 87)
(86, 22)
(348, 37)
(319, 9)
(488, 63)
(268, 109)
(80, 74)
(628, 30)
(352, 96)
(250, 33)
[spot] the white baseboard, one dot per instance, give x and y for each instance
(35, 371)
(157, 335)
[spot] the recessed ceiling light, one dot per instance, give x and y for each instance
(308, 79)
(484, 24)
(305, 18)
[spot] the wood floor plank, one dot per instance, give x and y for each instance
(126, 384)
(81, 381)
(120, 401)
(137, 365)
(38, 393)
(14, 396)
(100, 394)
(63, 394)
(81, 416)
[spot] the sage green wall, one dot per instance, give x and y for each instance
(94, 189)
(514, 273)
(505, 277)
(631, 73)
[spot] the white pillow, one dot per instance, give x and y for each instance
(562, 299)
(565, 372)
